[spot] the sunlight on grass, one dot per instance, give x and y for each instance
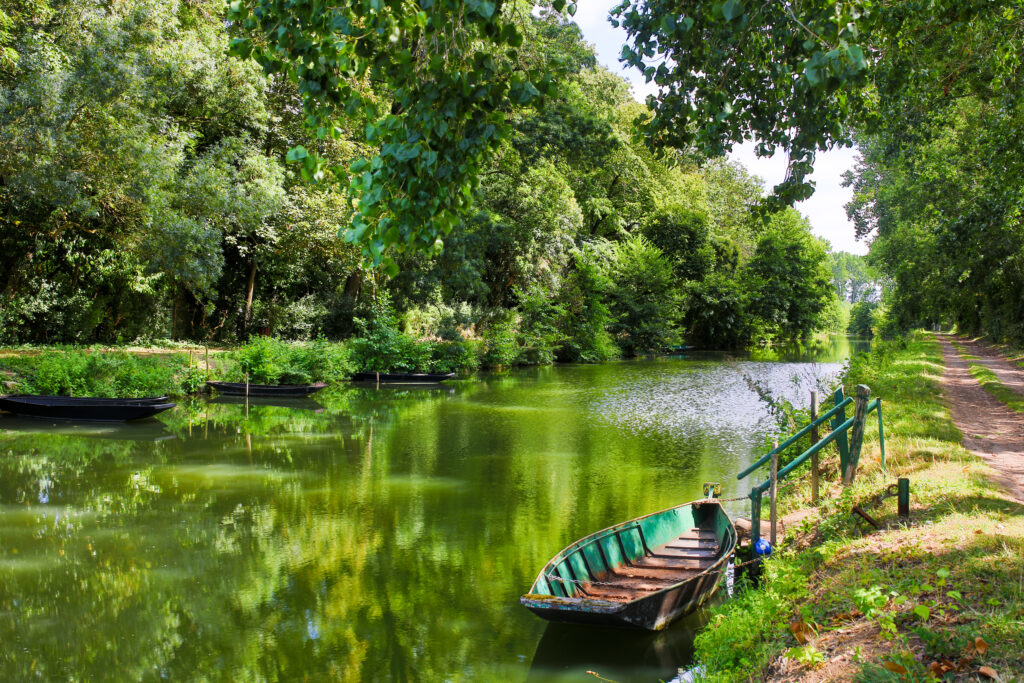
(990, 383)
(916, 593)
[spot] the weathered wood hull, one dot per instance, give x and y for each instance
(279, 390)
(85, 408)
(643, 573)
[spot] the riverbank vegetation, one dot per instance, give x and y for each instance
(145, 194)
(941, 595)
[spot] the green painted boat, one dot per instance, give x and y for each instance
(643, 573)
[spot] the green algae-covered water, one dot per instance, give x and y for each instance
(367, 535)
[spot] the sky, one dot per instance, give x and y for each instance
(824, 209)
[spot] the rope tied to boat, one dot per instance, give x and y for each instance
(732, 500)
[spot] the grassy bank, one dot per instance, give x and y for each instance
(152, 371)
(938, 598)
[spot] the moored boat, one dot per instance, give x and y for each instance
(402, 377)
(642, 573)
(279, 390)
(85, 408)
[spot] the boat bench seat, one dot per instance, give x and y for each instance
(668, 564)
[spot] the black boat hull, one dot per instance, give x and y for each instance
(402, 377)
(84, 409)
(268, 390)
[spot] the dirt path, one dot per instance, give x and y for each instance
(991, 430)
(1010, 374)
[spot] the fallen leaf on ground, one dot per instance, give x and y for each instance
(895, 668)
(801, 631)
(988, 672)
(980, 645)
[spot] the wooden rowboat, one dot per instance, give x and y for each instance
(85, 408)
(279, 390)
(642, 573)
(402, 377)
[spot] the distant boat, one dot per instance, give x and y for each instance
(677, 349)
(85, 408)
(643, 573)
(279, 390)
(402, 377)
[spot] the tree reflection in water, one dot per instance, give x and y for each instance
(372, 535)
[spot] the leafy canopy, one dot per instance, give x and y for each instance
(801, 76)
(433, 78)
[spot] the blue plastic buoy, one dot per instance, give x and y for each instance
(762, 547)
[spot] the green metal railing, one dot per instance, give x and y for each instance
(848, 458)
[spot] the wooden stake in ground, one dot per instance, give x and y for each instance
(773, 491)
(860, 415)
(814, 456)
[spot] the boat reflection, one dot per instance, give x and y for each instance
(303, 403)
(567, 652)
(149, 429)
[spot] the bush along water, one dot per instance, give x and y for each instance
(383, 347)
(272, 361)
(103, 373)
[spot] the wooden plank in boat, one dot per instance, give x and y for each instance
(668, 562)
(667, 573)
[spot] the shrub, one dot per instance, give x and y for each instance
(95, 372)
(500, 343)
(463, 357)
(272, 361)
(585, 317)
(716, 315)
(539, 336)
(644, 297)
(862, 318)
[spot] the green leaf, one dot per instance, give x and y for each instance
(297, 153)
(732, 9)
(922, 612)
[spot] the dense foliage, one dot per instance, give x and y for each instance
(145, 190)
(263, 360)
(99, 372)
(930, 92)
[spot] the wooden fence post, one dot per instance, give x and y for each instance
(814, 440)
(773, 490)
(755, 518)
(860, 415)
(841, 443)
(903, 499)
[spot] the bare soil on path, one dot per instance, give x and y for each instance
(992, 431)
(1009, 373)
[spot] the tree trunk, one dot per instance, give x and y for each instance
(174, 311)
(248, 296)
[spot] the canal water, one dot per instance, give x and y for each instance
(367, 535)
